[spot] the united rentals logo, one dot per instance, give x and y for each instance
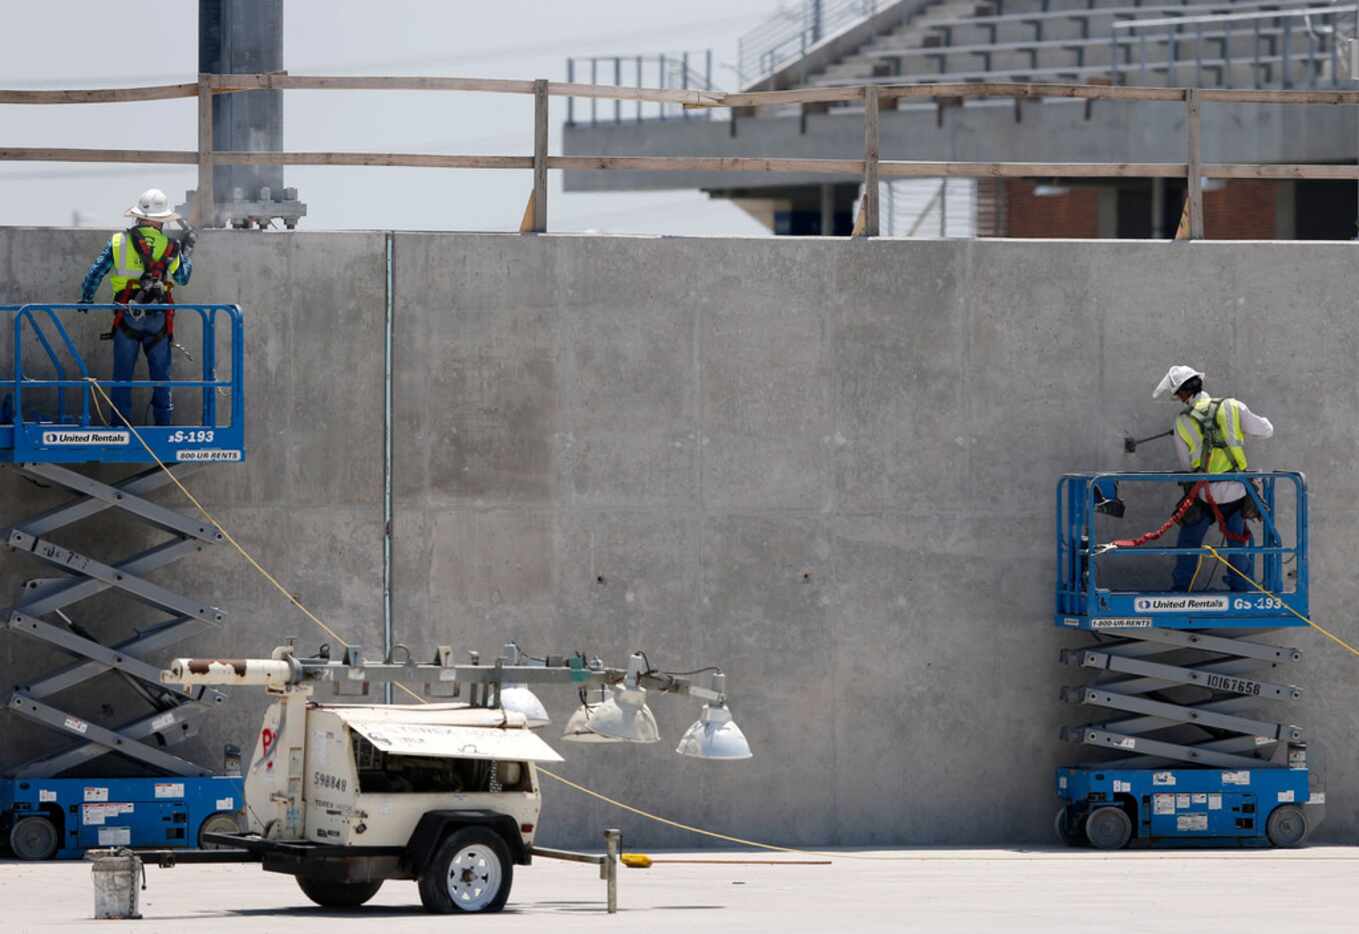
(1185, 604)
(85, 437)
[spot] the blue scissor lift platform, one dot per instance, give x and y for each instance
(1192, 756)
(55, 419)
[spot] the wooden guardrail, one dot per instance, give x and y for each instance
(871, 168)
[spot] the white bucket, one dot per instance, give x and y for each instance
(116, 874)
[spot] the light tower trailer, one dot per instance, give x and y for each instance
(346, 796)
(1193, 756)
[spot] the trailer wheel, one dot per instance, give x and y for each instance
(33, 837)
(329, 894)
(1069, 827)
(1108, 828)
(1287, 826)
(221, 822)
(470, 871)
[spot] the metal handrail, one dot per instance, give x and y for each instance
(209, 383)
(1323, 45)
(662, 71)
(790, 33)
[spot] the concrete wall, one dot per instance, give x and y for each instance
(827, 466)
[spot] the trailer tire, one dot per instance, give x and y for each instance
(470, 871)
(1287, 826)
(34, 837)
(1108, 828)
(329, 894)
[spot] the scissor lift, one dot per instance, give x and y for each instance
(58, 420)
(1185, 681)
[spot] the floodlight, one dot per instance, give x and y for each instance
(622, 717)
(517, 698)
(714, 735)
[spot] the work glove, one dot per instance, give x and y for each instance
(84, 301)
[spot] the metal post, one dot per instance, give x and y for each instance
(204, 213)
(870, 197)
(244, 37)
(540, 107)
(640, 85)
(660, 76)
(1195, 179)
(707, 79)
(613, 843)
(594, 80)
(943, 209)
(387, 515)
(1287, 53)
(684, 80)
(570, 101)
(617, 82)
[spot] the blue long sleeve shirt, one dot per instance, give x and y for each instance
(104, 262)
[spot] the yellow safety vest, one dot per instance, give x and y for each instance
(127, 264)
(1214, 424)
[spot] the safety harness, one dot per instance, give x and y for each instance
(1206, 419)
(153, 287)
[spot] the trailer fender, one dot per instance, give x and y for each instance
(435, 825)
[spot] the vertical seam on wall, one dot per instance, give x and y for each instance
(389, 304)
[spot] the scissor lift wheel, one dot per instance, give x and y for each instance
(1108, 828)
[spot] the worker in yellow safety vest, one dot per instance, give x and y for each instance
(1210, 438)
(145, 265)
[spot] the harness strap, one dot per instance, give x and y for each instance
(1200, 486)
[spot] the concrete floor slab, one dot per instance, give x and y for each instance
(1050, 891)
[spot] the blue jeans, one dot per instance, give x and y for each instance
(145, 335)
(1191, 536)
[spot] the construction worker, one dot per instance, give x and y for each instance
(1210, 436)
(143, 260)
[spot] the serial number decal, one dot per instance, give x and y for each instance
(323, 780)
(1235, 685)
(177, 437)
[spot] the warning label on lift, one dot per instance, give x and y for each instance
(85, 437)
(1181, 604)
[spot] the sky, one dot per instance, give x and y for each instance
(522, 39)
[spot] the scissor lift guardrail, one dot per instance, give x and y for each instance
(1184, 679)
(44, 444)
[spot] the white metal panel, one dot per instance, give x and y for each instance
(424, 735)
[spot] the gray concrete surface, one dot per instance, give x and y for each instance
(982, 131)
(826, 465)
(1308, 892)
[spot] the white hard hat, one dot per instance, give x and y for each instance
(1175, 377)
(152, 206)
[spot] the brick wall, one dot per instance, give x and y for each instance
(1074, 214)
(1243, 210)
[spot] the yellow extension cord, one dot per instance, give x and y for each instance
(1209, 549)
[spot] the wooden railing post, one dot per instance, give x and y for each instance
(1195, 164)
(869, 202)
(540, 101)
(204, 206)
